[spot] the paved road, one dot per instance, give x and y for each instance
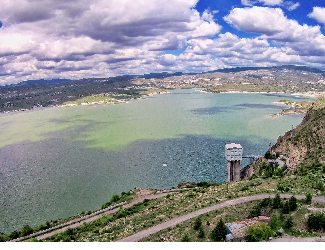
(174, 222)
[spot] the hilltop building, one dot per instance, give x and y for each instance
(234, 155)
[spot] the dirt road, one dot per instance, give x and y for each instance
(147, 194)
(174, 222)
(143, 194)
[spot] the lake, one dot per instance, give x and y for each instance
(58, 162)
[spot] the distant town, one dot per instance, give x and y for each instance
(43, 93)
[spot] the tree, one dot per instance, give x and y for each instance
(255, 212)
(293, 203)
(201, 234)
(316, 222)
(274, 223)
(219, 232)
(259, 231)
(277, 202)
(308, 198)
(265, 202)
(26, 230)
(14, 235)
(286, 208)
(269, 155)
(197, 223)
(115, 198)
(289, 222)
(2, 239)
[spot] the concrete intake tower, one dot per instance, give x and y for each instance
(234, 154)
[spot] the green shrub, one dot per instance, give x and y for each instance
(204, 184)
(197, 223)
(32, 240)
(258, 232)
(255, 212)
(286, 208)
(254, 176)
(293, 203)
(280, 188)
(106, 205)
(14, 235)
(268, 155)
(315, 167)
(69, 232)
(186, 238)
(274, 223)
(121, 213)
(219, 232)
(66, 238)
(201, 234)
(308, 198)
(316, 222)
(191, 195)
(115, 198)
(279, 172)
(320, 186)
(277, 202)
(26, 230)
(265, 202)
(289, 222)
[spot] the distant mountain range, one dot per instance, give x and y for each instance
(233, 70)
(163, 75)
(52, 81)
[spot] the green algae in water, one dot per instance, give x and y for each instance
(57, 162)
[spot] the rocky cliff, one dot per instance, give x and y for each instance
(305, 144)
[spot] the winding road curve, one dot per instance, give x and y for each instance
(174, 222)
(145, 194)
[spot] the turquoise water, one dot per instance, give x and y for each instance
(58, 162)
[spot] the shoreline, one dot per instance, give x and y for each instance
(304, 94)
(115, 102)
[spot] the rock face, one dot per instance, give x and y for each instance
(181, 185)
(306, 143)
(246, 172)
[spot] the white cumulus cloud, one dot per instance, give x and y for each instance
(318, 14)
(287, 4)
(86, 38)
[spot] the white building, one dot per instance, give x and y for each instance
(234, 152)
(234, 155)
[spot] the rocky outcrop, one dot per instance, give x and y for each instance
(182, 185)
(305, 143)
(246, 172)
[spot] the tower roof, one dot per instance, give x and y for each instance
(233, 145)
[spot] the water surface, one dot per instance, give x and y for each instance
(57, 162)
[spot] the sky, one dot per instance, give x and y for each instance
(46, 39)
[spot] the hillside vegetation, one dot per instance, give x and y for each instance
(305, 144)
